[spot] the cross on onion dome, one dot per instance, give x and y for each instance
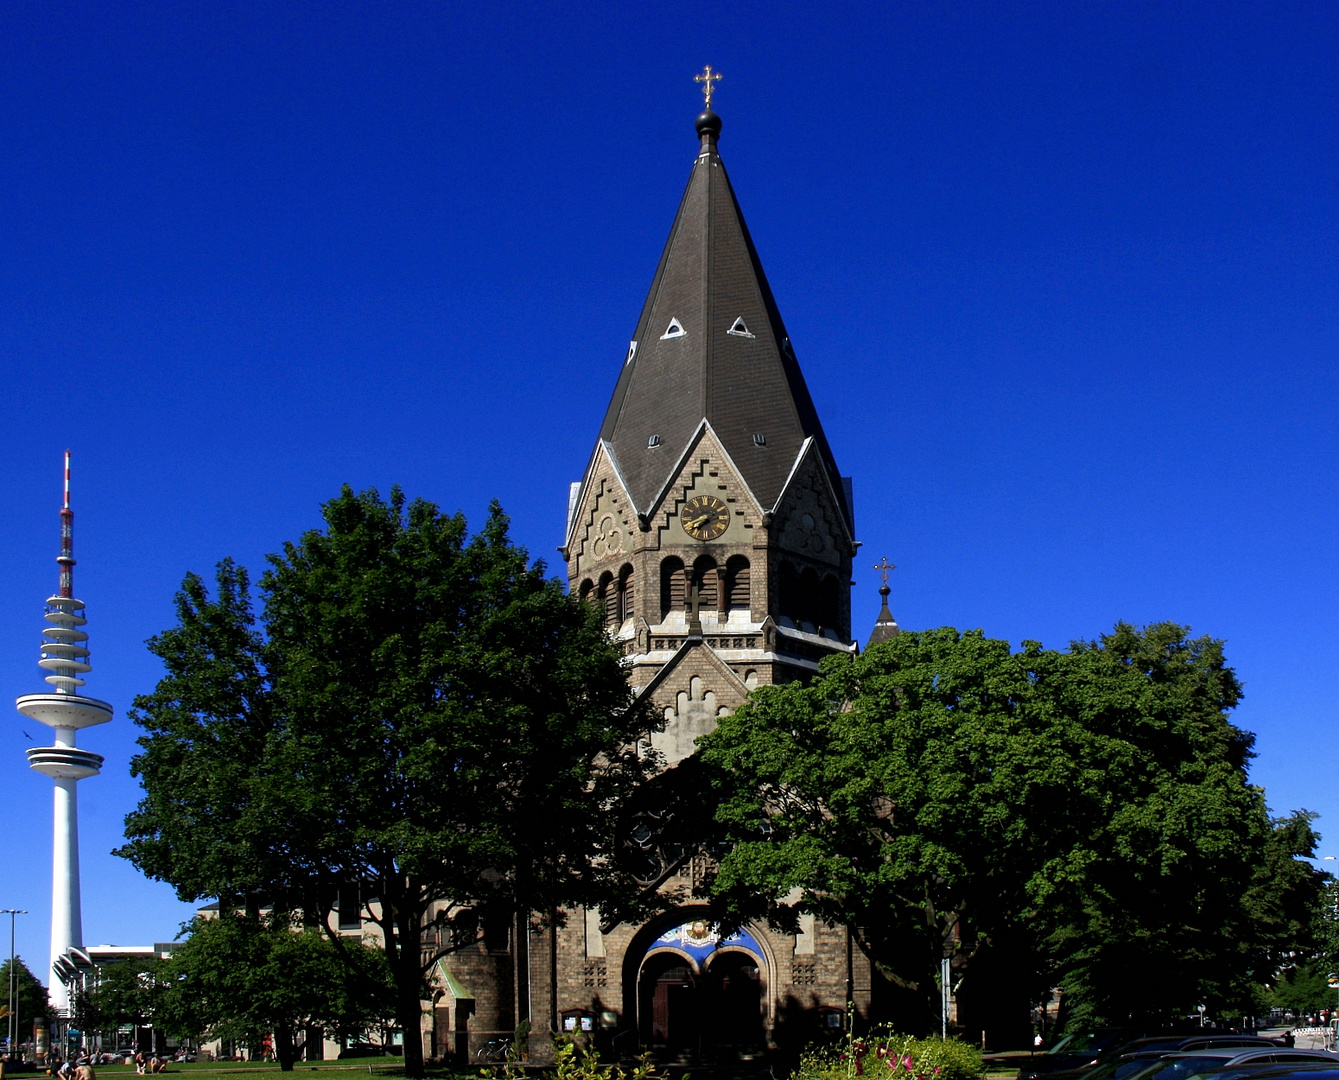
(708, 79)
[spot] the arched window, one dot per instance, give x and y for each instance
(627, 607)
(829, 611)
(809, 598)
(607, 593)
(737, 584)
(788, 591)
(708, 581)
(672, 584)
(586, 589)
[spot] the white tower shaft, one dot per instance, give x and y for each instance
(67, 924)
(65, 656)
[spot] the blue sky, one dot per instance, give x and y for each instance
(1062, 278)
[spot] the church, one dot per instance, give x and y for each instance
(716, 533)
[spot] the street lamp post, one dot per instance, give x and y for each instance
(12, 1029)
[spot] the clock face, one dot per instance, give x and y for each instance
(705, 517)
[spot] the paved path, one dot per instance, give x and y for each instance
(1311, 1038)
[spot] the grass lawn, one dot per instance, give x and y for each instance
(378, 1064)
(389, 1067)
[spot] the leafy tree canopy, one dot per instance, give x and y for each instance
(1080, 819)
(240, 976)
(1303, 988)
(30, 997)
(125, 992)
(416, 710)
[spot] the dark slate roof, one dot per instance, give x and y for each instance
(709, 277)
(885, 626)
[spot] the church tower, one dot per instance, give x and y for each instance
(715, 532)
(712, 525)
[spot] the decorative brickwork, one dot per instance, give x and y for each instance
(803, 973)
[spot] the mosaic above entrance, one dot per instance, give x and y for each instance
(700, 939)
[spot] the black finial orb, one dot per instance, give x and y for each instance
(708, 123)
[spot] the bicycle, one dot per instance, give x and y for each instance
(493, 1051)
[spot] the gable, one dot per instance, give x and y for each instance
(808, 519)
(604, 522)
(693, 690)
(706, 469)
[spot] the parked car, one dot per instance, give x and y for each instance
(1083, 1052)
(1188, 1063)
(1303, 1070)
(1077, 1050)
(1124, 1061)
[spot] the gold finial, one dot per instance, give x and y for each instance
(707, 79)
(883, 568)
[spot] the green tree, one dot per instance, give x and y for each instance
(1042, 818)
(125, 992)
(420, 713)
(1188, 893)
(30, 998)
(1303, 988)
(1301, 980)
(241, 976)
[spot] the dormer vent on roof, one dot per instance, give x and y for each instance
(735, 369)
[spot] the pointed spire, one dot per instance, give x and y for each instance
(885, 626)
(710, 345)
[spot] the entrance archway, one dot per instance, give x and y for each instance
(731, 1003)
(700, 994)
(668, 1012)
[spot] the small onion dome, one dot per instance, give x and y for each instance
(708, 125)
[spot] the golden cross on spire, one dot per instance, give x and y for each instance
(708, 78)
(884, 567)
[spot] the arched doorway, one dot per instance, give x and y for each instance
(701, 995)
(731, 1002)
(668, 1013)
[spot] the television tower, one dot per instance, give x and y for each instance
(65, 656)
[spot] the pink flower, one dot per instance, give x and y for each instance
(907, 1063)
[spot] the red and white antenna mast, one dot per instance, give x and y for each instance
(66, 556)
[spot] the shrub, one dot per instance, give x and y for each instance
(573, 1059)
(889, 1056)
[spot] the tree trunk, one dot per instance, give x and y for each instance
(408, 989)
(283, 1047)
